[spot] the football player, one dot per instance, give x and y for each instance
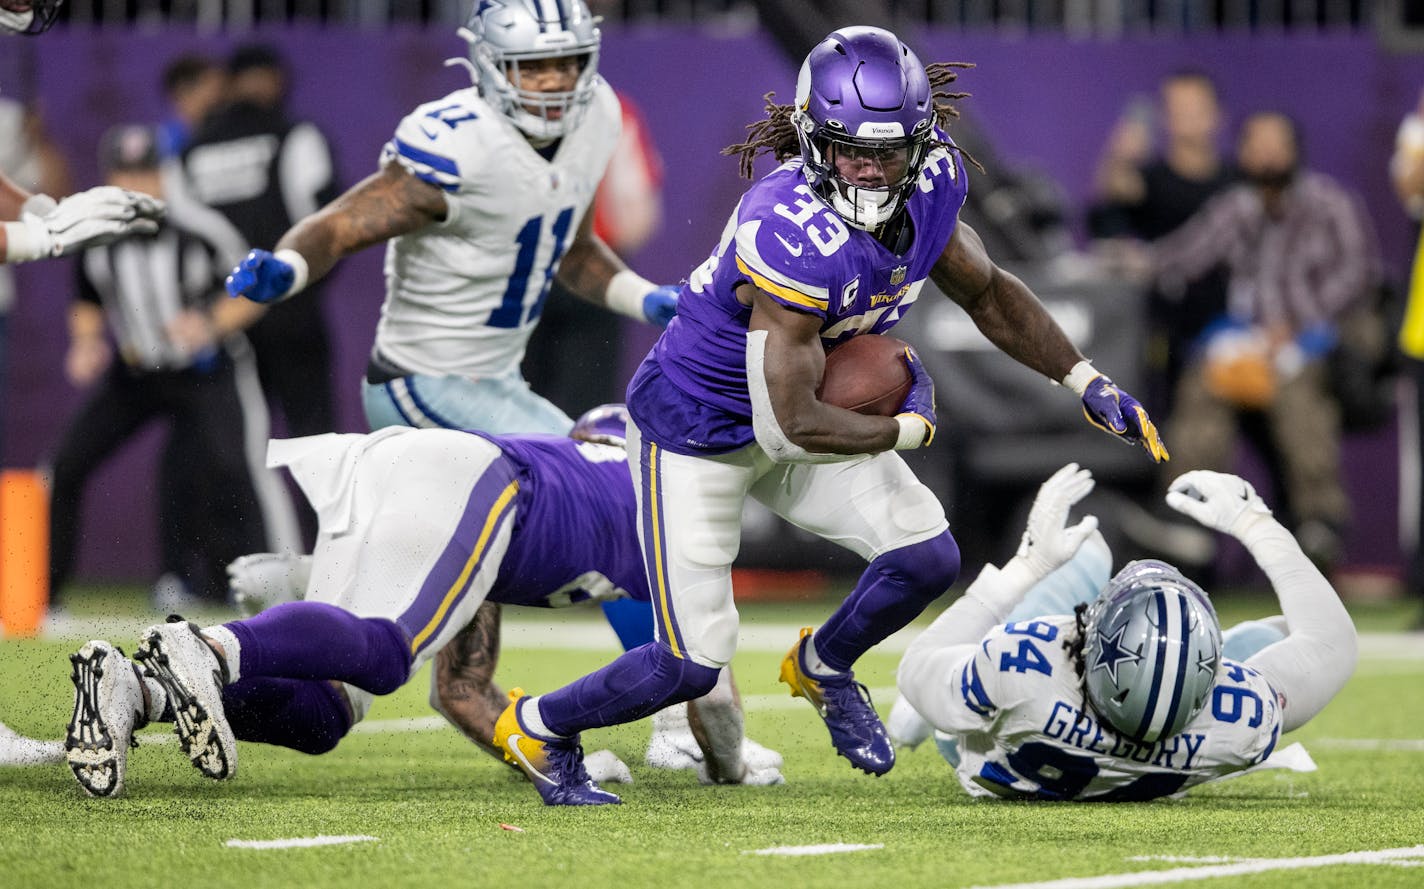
(417, 529)
(28, 16)
(484, 196)
(1139, 694)
(836, 242)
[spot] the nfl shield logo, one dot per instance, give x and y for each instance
(898, 275)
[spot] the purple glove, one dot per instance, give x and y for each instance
(920, 400)
(1117, 413)
(261, 277)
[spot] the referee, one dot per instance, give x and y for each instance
(181, 358)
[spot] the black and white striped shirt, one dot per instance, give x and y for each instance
(143, 283)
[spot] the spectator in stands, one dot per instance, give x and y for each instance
(1301, 255)
(181, 359)
(1145, 196)
(193, 86)
(1406, 170)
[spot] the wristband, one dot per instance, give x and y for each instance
(1080, 376)
(299, 270)
(26, 240)
(913, 430)
(625, 294)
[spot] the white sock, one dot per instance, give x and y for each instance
(814, 665)
(232, 650)
(157, 698)
(529, 715)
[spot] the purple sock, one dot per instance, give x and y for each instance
(302, 714)
(894, 589)
(313, 640)
(640, 683)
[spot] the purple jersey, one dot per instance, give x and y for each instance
(690, 394)
(575, 532)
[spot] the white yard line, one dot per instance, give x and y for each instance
(1214, 871)
(823, 849)
(299, 842)
(1407, 745)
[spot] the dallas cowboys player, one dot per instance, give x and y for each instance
(418, 527)
(484, 196)
(28, 16)
(1138, 695)
(834, 243)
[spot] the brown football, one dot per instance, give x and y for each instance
(867, 374)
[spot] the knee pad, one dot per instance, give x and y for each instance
(928, 568)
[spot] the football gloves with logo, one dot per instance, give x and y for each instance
(1117, 413)
(1048, 541)
(1218, 500)
(920, 400)
(261, 277)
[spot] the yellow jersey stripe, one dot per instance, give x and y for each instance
(501, 504)
(786, 293)
(659, 569)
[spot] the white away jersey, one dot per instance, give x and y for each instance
(463, 296)
(1024, 729)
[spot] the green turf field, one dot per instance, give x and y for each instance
(436, 806)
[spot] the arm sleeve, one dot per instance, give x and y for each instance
(943, 674)
(1312, 664)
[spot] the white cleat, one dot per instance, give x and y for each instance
(18, 750)
(190, 672)
(108, 706)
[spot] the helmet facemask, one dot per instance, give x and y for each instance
(830, 153)
(505, 38)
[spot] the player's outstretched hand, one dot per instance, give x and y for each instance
(1218, 500)
(660, 305)
(1048, 541)
(1117, 413)
(261, 277)
(88, 219)
(920, 400)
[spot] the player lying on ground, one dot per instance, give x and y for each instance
(417, 529)
(1139, 694)
(836, 242)
(484, 196)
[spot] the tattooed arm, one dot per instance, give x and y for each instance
(1002, 306)
(462, 685)
(382, 206)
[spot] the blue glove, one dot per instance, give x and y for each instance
(261, 277)
(660, 305)
(920, 400)
(1117, 413)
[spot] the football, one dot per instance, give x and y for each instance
(867, 374)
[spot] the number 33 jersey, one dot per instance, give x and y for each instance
(464, 295)
(1024, 730)
(787, 242)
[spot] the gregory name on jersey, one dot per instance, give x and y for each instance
(1075, 727)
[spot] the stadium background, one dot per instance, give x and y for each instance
(1046, 91)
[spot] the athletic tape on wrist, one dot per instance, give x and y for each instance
(625, 293)
(300, 271)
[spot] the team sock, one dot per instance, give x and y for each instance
(637, 684)
(302, 714)
(314, 640)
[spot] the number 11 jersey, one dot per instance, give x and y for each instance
(464, 295)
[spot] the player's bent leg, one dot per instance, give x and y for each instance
(1251, 636)
(310, 716)
(192, 676)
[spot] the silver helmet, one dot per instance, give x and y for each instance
(502, 34)
(1152, 643)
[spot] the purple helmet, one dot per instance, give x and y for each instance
(864, 110)
(605, 424)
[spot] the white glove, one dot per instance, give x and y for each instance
(750, 777)
(1221, 501)
(604, 767)
(1046, 542)
(87, 219)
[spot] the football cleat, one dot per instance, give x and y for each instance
(845, 706)
(190, 671)
(554, 765)
(108, 707)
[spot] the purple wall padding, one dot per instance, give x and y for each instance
(1046, 101)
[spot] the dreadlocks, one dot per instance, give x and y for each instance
(777, 135)
(1073, 644)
